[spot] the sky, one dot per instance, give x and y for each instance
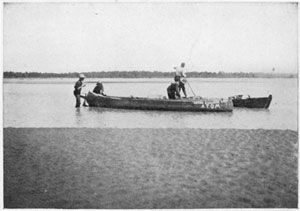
(154, 36)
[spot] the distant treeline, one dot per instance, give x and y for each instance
(146, 74)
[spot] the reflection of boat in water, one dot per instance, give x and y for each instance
(249, 102)
(183, 104)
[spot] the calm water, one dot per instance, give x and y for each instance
(50, 103)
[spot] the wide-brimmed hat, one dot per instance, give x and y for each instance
(81, 75)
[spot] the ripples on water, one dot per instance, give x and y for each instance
(50, 103)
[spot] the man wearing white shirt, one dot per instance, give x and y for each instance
(180, 73)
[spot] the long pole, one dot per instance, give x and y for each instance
(191, 88)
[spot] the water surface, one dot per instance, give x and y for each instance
(50, 103)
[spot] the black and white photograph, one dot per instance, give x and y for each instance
(150, 105)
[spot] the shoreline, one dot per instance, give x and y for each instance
(92, 80)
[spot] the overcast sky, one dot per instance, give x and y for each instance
(81, 37)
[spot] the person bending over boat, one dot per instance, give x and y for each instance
(173, 90)
(78, 86)
(99, 89)
(181, 76)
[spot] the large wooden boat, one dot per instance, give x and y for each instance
(249, 102)
(185, 104)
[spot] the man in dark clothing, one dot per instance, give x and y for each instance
(173, 90)
(99, 89)
(77, 89)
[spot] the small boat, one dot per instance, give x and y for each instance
(184, 104)
(249, 102)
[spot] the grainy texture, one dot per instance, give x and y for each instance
(150, 168)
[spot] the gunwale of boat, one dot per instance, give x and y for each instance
(252, 102)
(189, 104)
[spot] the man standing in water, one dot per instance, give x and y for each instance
(181, 76)
(78, 86)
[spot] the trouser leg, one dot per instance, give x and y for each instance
(77, 101)
(184, 92)
(182, 86)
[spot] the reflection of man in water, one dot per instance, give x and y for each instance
(78, 86)
(180, 74)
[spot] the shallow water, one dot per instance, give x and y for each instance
(50, 103)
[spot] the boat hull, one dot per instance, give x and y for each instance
(262, 102)
(197, 105)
